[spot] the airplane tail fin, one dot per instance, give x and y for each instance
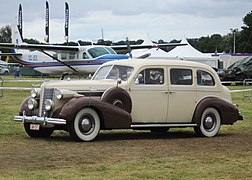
(17, 28)
(16, 36)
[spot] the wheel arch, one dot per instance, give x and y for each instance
(223, 107)
(110, 116)
(72, 107)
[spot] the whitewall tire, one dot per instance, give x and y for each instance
(210, 123)
(85, 126)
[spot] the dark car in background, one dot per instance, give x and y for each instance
(238, 71)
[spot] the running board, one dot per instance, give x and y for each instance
(161, 125)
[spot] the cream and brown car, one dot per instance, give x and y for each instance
(131, 94)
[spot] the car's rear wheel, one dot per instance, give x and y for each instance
(85, 126)
(209, 123)
(41, 133)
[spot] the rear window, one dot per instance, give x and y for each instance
(204, 78)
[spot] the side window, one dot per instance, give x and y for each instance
(204, 78)
(181, 76)
(85, 56)
(151, 76)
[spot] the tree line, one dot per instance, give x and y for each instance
(209, 44)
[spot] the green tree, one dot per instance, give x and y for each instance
(5, 37)
(246, 33)
(5, 34)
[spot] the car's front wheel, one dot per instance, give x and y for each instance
(209, 123)
(85, 126)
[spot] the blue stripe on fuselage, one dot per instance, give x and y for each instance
(97, 61)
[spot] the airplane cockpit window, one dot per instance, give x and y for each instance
(110, 50)
(150, 76)
(114, 72)
(99, 51)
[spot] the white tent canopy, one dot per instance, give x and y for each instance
(191, 54)
(149, 53)
(186, 52)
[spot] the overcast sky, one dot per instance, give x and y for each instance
(160, 19)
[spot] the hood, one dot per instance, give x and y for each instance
(82, 85)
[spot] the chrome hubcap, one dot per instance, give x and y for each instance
(209, 122)
(86, 124)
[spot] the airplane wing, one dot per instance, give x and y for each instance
(47, 47)
(143, 46)
(10, 54)
(40, 47)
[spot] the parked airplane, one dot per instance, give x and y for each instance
(59, 59)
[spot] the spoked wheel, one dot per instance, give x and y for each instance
(41, 133)
(209, 124)
(85, 126)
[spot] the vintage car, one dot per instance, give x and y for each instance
(131, 94)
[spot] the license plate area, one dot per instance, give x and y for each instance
(35, 127)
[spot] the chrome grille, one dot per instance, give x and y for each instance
(48, 94)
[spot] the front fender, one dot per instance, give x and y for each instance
(24, 108)
(229, 112)
(111, 116)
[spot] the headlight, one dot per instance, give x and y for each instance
(48, 104)
(58, 94)
(34, 93)
(32, 104)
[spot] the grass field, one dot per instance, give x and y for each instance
(124, 154)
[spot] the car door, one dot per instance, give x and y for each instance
(182, 95)
(149, 96)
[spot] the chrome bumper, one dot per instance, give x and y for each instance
(39, 120)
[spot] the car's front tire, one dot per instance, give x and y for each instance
(85, 126)
(209, 123)
(41, 133)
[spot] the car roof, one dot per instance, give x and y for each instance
(157, 62)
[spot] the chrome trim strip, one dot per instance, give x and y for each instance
(161, 125)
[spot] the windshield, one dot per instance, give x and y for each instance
(114, 72)
(99, 51)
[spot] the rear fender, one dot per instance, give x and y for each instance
(229, 113)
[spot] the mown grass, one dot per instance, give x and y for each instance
(201, 165)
